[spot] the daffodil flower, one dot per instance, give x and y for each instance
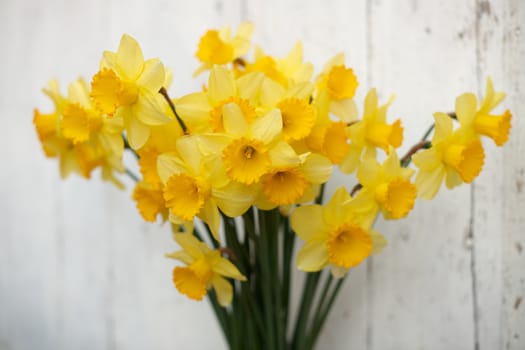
(205, 268)
(202, 111)
(336, 88)
(335, 235)
(453, 156)
(195, 185)
(286, 71)
(219, 47)
(128, 87)
(478, 121)
(370, 133)
(385, 187)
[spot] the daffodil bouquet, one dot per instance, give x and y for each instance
(239, 170)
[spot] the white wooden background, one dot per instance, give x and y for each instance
(80, 270)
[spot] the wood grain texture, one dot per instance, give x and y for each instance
(80, 270)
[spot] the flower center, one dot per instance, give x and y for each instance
(383, 135)
(348, 245)
(188, 282)
(284, 186)
(109, 92)
(78, 123)
(185, 195)
(335, 142)
(493, 126)
(341, 83)
(467, 160)
(213, 50)
(298, 118)
(246, 160)
(396, 197)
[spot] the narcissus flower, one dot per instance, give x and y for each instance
(219, 47)
(202, 111)
(478, 121)
(385, 187)
(286, 71)
(150, 201)
(453, 156)
(128, 87)
(293, 183)
(336, 88)
(205, 268)
(195, 185)
(370, 133)
(334, 235)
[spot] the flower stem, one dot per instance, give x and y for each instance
(164, 93)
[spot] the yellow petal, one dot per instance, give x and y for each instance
(335, 212)
(268, 127)
(189, 152)
(190, 244)
(249, 86)
(317, 168)
(312, 257)
(429, 182)
(211, 216)
(220, 84)
(368, 173)
(234, 198)
(443, 127)
(150, 109)
(225, 268)
(466, 108)
(223, 289)
(307, 222)
(345, 109)
(234, 121)
(181, 255)
(129, 58)
(153, 76)
(137, 132)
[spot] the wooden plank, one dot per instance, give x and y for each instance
(421, 284)
(498, 222)
(336, 26)
(513, 221)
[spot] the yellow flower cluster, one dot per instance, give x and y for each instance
(262, 133)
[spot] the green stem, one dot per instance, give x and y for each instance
(164, 93)
(323, 315)
(132, 175)
(309, 289)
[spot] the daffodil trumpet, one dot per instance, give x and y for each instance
(239, 170)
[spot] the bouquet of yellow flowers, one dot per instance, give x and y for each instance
(239, 170)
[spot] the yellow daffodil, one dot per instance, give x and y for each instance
(250, 150)
(202, 111)
(370, 133)
(150, 201)
(336, 88)
(219, 47)
(334, 235)
(293, 183)
(128, 87)
(385, 187)
(297, 114)
(478, 121)
(287, 71)
(198, 186)
(453, 156)
(205, 268)
(77, 155)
